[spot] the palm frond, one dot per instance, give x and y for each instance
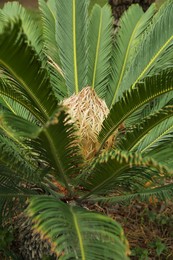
(111, 169)
(49, 19)
(100, 47)
(17, 109)
(126, 42)
(60, 141)
(133, 139)
(10, 187)
(19, 58)
(13, 193)
(12, 11)
(155, 50)
(133, 99)
(157, 136)
(72, 41)
(163, 152)
(17, 127)
(7, 81)
(76, 233)
(50, 47)
(148, 109)
(31, 174)
(164, 192)
(12, 97)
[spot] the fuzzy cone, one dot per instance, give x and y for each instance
(87, 111)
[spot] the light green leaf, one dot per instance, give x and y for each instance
(155, 50)
(12, 11)
(125, 46)
(18, 57)
(60, 141)
(133, 99)
(72, 41)
(148, 129)
(100, 47)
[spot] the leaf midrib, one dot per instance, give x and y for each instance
(78, 234)
(124, 63)
(97, 51)
(155, 140)
(105, 181)
(74, 48)
(56, 158)
(152, 61)
(144, 134)
(26, 87)
(130, 112)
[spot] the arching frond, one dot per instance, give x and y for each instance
(156, 136)
(48, 22)
(12, 95)
(154, 51)
(17, 160)
(164, 192)
(133, 99)
(76, 233)
(72, 42)
(59, 139)
(50, 47)
(17, 109)
(143, 130)
(163, 152)
(12, 11)
(16, 126)
(19, 58)
(150, 108)
(126, 43)
(99, 49)
(111, 169)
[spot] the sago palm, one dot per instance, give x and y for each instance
(86, 118)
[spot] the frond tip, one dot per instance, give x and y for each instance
(75, 233)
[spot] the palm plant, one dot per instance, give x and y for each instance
(86, 118)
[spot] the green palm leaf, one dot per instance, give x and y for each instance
(10, 186)
(12, 11)
(126, 42)
(17, 109)
(133, 139)
(19, 58)
(112, 168)
(50, 47)
(164, 192)
(72, 40)
(18, 161)
(48, 21)
(163, 152)
(156, 136)
(59, 139)
(100, 47)
(17, 127)
(155, 51)
(15, 99)
(75, 233)
(133, 99)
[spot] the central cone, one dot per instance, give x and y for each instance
(87, 111)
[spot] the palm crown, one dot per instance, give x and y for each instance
(86, 116)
